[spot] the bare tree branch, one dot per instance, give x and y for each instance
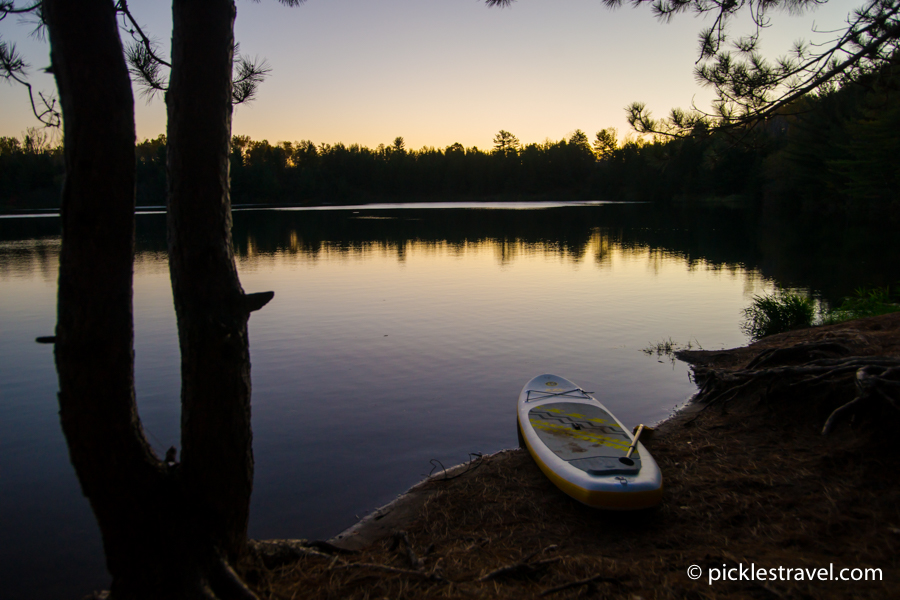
(138, 34)
(14, 68)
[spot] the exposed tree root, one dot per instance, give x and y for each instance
(807, 370)
(581, 582)
(873, 383)
(525, 566)
(803, 352)
(401, 538)
(225, 584)
(390, 569)
(276, 553)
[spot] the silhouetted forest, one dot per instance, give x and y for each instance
(31, 172)
(837, 150)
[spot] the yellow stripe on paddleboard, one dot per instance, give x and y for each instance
(603, 440)
(595, 498)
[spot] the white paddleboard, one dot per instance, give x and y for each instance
(581, 447)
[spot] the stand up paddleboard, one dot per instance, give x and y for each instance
(583, 448)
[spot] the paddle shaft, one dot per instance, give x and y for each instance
(637, 434)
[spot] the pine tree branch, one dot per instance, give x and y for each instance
(138, 34)
(13, 67)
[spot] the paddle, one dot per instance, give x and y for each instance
(637, 434)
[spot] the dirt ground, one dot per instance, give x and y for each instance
(749, 484)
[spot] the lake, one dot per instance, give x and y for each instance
(398, 341)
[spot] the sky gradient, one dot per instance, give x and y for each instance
(441, 71)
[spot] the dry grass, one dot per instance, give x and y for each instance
(757, 484)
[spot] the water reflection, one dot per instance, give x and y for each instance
(396, 336)
(29, 258)
(829, 257)
(321, 234)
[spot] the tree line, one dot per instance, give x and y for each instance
(606, 168)
(31, 171)
(830, 150)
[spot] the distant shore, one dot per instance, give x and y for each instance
(546, 200)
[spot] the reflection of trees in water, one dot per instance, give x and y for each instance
(573, 233)
(830, 257)
(30, 257)
(601, 246)
(29, 246)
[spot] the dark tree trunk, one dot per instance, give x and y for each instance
(167, 530)
(212, 310)
(117, 469)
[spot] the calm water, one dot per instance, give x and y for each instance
(396, 336)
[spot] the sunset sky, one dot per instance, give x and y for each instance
(442, 71)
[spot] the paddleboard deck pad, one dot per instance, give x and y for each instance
(582, 447)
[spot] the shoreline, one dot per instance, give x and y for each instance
(543, 201)
(400, 512)
(382, 522)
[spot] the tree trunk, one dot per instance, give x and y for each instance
(165, 528)
(117, 469)
(216, 455)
